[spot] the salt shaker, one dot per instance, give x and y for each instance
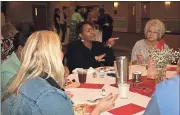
(101, 73)
(103, 92)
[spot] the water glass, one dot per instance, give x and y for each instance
(123, 90)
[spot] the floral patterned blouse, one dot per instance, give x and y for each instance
(6, 48)
(141, 47)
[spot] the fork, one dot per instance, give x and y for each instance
(94, 101)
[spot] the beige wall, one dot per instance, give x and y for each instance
(158, 10)
(21, 11)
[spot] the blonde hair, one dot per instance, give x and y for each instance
(41, 54)
(8, 31)
(158, 24)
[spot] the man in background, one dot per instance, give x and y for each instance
(105, 22)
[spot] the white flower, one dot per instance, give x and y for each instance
(163, 57)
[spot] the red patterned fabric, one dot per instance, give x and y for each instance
(160, 44)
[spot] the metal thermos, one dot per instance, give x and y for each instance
(122, 69)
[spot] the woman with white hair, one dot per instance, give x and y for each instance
(37, 87)
(154, 32)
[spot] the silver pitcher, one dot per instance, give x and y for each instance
(122, 69)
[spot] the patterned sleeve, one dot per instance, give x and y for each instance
(134, 50)
(6, 48)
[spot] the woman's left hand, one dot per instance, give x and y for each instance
(111, 42)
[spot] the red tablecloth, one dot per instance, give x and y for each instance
(91, 86)
(145, 87)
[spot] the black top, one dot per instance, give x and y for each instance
(105, 19)
(55, 21)
(79, 56)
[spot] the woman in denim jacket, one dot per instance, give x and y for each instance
(36, 88)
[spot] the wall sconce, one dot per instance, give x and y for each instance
(167, 4)
(145, 7)
(36, 11)
(116, 4)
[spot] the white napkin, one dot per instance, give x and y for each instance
(89, 71)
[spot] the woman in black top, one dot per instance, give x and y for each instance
(86, 52)
(57, 20)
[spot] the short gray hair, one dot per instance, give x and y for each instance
(159, 24)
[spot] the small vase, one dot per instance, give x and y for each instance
(160, 74)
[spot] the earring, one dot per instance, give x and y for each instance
(82, 40)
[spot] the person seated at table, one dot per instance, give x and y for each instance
(10, 66)
(39, 81)
(86, 52)
(8, 32)
(154, 32)
(166, 98)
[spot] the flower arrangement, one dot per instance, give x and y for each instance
(163, 57)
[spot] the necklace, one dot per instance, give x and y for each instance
(150, 44)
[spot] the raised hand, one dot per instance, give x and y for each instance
(111, 42)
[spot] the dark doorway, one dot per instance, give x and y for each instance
(39, 16)
(132, 17)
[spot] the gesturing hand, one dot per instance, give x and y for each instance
(111, 42)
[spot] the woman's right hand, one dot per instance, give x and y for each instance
(105, 104)
(140, 58)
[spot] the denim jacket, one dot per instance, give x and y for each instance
(38, 97)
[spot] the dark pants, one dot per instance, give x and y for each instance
(63, 28)
(107, 33)
(57, 28)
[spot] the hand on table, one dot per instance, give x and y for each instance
(105, 104)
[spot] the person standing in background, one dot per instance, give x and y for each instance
(75, 19)
(57, 20)
(76, 16)
(63, 20)
(105, 22)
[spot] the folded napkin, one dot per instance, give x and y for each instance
(171, 68)
(89, 71)
(129, 109)
(91, 86)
